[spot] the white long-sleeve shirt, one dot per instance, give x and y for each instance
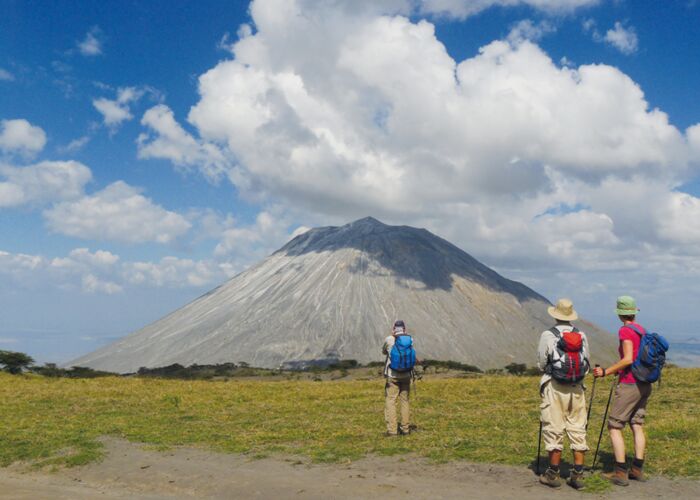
(548, 344)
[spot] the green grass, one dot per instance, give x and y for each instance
(482, 419)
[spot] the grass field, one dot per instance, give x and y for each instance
(483, 418)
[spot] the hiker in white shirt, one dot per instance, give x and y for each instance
(563, 357)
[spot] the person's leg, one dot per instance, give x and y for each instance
(552, 432)
(555, 459)
(575, 421)
(624, 404)
(636, 470)
(618, 444)
(405, 391)
(640, 441)
(391, 392)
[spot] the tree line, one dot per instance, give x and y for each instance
(19, 362)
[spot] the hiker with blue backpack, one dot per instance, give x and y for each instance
(563, 356)
(642, 356)
(398, 371)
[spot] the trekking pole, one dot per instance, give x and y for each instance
(605, 417)
(539, 445)
(590, 403)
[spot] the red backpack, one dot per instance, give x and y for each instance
(567, 363)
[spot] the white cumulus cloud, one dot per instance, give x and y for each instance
(426, 128)
(119, 212)
(622, 38)
(93, 284)
(20, 136)
(116, 111)
(462, 9)
(174, 272)
(243, 244)
(102, 272)
(528, 30)
(170, 141)
(44, 182)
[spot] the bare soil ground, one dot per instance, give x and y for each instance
(136, 472)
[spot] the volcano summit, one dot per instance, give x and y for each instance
(333, 293)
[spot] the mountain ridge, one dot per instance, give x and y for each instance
(333, 292)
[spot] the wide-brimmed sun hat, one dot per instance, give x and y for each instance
(564, 310)
(626, 306)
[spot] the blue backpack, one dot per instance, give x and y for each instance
(402, 355)
(651, 356)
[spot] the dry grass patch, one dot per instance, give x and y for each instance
(481, 419)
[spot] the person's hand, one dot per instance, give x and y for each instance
(598, 372)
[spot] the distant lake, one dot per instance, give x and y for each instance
(685, 354)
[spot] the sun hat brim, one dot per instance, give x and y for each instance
(556, 314)
(627, 312)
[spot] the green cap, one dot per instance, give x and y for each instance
(626, 306)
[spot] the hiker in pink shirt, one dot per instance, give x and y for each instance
(630, 397)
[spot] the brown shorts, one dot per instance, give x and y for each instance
(629, 405)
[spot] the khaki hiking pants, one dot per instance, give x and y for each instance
(563, 410)
(396, 388)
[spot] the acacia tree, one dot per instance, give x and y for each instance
(516, 368)
(14, 362)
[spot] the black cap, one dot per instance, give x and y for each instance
(399, 324)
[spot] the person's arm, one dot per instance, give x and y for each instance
(386, 346)
(627, 353)
(543, 351)
(586, 352)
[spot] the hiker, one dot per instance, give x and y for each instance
(630, 396)
(563, 357)
(398, 371)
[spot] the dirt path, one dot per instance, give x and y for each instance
(132, 471)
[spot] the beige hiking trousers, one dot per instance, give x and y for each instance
(563, 410)
(396, 388)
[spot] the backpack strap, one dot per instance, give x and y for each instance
(555, 331)
(635, 329)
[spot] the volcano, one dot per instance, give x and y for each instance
(333, 293)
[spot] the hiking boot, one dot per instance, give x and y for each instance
(637, 474)
(550, 478)
(404, 432)
(618, 476)
(390, 434)
(576, 480)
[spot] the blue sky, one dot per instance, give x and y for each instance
(151, 150)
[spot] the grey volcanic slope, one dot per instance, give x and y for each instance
(333, 292)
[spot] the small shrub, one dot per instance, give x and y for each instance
(532, 371)
(450, 365)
